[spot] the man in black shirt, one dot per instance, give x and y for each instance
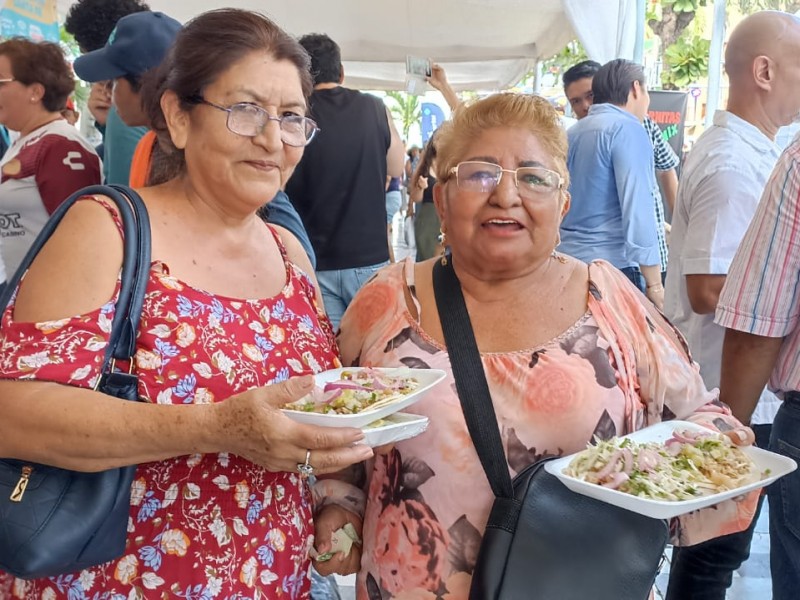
(339, 186)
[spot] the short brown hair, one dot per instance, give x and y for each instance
(204, 49)
(43, 63)
(507, 109)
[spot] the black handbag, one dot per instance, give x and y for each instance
(542, 541)
(52, 520)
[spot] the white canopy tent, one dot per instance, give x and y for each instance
(482, 44)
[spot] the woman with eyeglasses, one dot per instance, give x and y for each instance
(220, 505)
(50, 159)
(569, 350)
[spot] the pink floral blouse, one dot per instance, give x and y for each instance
(620, 367)
(200, 526)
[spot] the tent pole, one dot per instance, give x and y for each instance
(537, 76)
(641, 17)
(715, 61)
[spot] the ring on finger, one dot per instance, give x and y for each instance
(305, 469)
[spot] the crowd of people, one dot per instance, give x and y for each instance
(270, 186)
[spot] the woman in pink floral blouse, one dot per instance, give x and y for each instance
(218, 509)
(570, 351)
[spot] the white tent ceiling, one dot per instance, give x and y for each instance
(483, 44)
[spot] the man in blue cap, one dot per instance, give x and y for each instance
(90, 22)
(138, 43)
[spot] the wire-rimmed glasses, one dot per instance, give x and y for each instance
(249, 120)
(484, 177)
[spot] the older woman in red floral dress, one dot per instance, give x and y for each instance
(218, 508)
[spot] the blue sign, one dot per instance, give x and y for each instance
(432, 117)
(32, 19)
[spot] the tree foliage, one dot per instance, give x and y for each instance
(72, 51)
(747, 7)
(406, 109)
(676, 16)
(688, 62)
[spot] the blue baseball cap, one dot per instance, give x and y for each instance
(139, 42)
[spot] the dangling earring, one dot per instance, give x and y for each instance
(443, 242)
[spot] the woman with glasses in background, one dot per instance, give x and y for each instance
(50, 160)
(569, 351)
(220, 505)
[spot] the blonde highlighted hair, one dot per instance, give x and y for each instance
(507, 109)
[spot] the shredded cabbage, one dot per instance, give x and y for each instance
(356, 391)
(688, 465)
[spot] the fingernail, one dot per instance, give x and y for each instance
(360, 437)
(742, 435)
(366, 452)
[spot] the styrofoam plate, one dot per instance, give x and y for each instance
(395, 428)
(427, 379)
(771, 465)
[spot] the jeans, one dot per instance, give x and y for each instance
(636, 277)
(784, 504)
(705, 571)
(394, 200)
(324, 588)
(339, 287)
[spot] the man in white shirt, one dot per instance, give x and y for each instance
(718, 194)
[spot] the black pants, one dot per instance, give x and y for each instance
(705, 571)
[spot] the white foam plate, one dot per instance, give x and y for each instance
(395, 428)
(777, 465)
(427, 379)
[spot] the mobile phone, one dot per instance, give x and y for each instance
(416, 65)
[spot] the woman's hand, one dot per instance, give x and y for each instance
(438, 77)
(99, 102)
(252, 426)
(422, 183)
(328, 520)
(655, 293)
(741, 436)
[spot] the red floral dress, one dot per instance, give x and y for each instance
(200, 526)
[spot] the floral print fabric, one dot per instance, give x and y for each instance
(201, 526)
(618, 368)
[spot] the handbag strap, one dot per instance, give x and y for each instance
(471, 386)
(135, 265)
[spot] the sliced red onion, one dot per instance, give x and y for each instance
(343, 385)
(616, 480)
(610, 466)
(648, 460)
(331, 395)
(627, 460)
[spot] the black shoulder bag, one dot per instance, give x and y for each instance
(52, 520)
(542, 541)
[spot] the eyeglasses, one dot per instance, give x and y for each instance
(7, 80)
(249, 120)
(484, 177)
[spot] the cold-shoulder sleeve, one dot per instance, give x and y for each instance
(661, 382)
(69, 351)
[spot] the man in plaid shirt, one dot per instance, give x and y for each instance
(578, 90)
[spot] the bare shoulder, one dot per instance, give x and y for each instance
(76, 271)
(294, 249)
